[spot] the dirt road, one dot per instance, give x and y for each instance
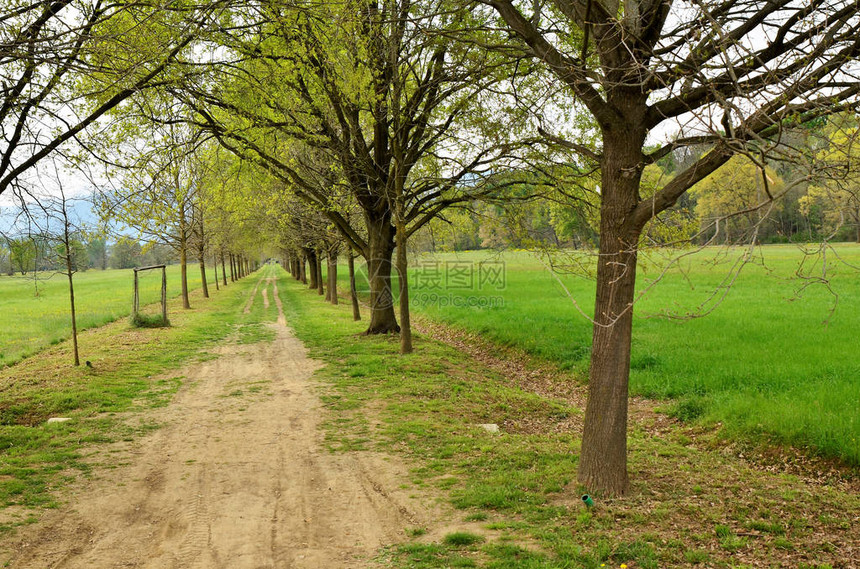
(236, 479)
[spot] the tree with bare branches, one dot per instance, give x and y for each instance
(160, 193)
(378, 90)
(65, 64)
(732, 75)
(49, 224)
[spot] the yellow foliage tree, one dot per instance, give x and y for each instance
(838, 196)
(734, 201)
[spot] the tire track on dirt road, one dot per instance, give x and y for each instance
(237, 478)
(253, 295)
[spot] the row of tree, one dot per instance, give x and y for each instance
(299, 126)
(41, 253)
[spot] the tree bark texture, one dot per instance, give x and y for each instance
(332, 276)
(353, 294)
(381, 247)
(403, 281)
(320, 288)
(202, 258)
(183, 265)
(311, 256)
(603, 462)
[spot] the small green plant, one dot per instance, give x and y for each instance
(696, 556)
(509, 556)
(728, 540)
(767, 527)
(733, 543)
(783, 543)
(149, 321)
(462, 539)
(584, 518)
(688, 409)
(639, 551)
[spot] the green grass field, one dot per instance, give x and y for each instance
(31, 322)
(764, 363)
(516, 503)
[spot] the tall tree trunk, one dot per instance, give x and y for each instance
(353, 294)
(201, 256)
(857, 222)
(311, 256)
(223, 269)
(328, 280)
(183, 265)
(402, 278)
(303, 270)
(215, 268)
(332, 275)
(232, 268)
(380, 237)
(320, 288)
(603, 462)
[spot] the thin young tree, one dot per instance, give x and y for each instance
(52, 217)
(159, 194)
